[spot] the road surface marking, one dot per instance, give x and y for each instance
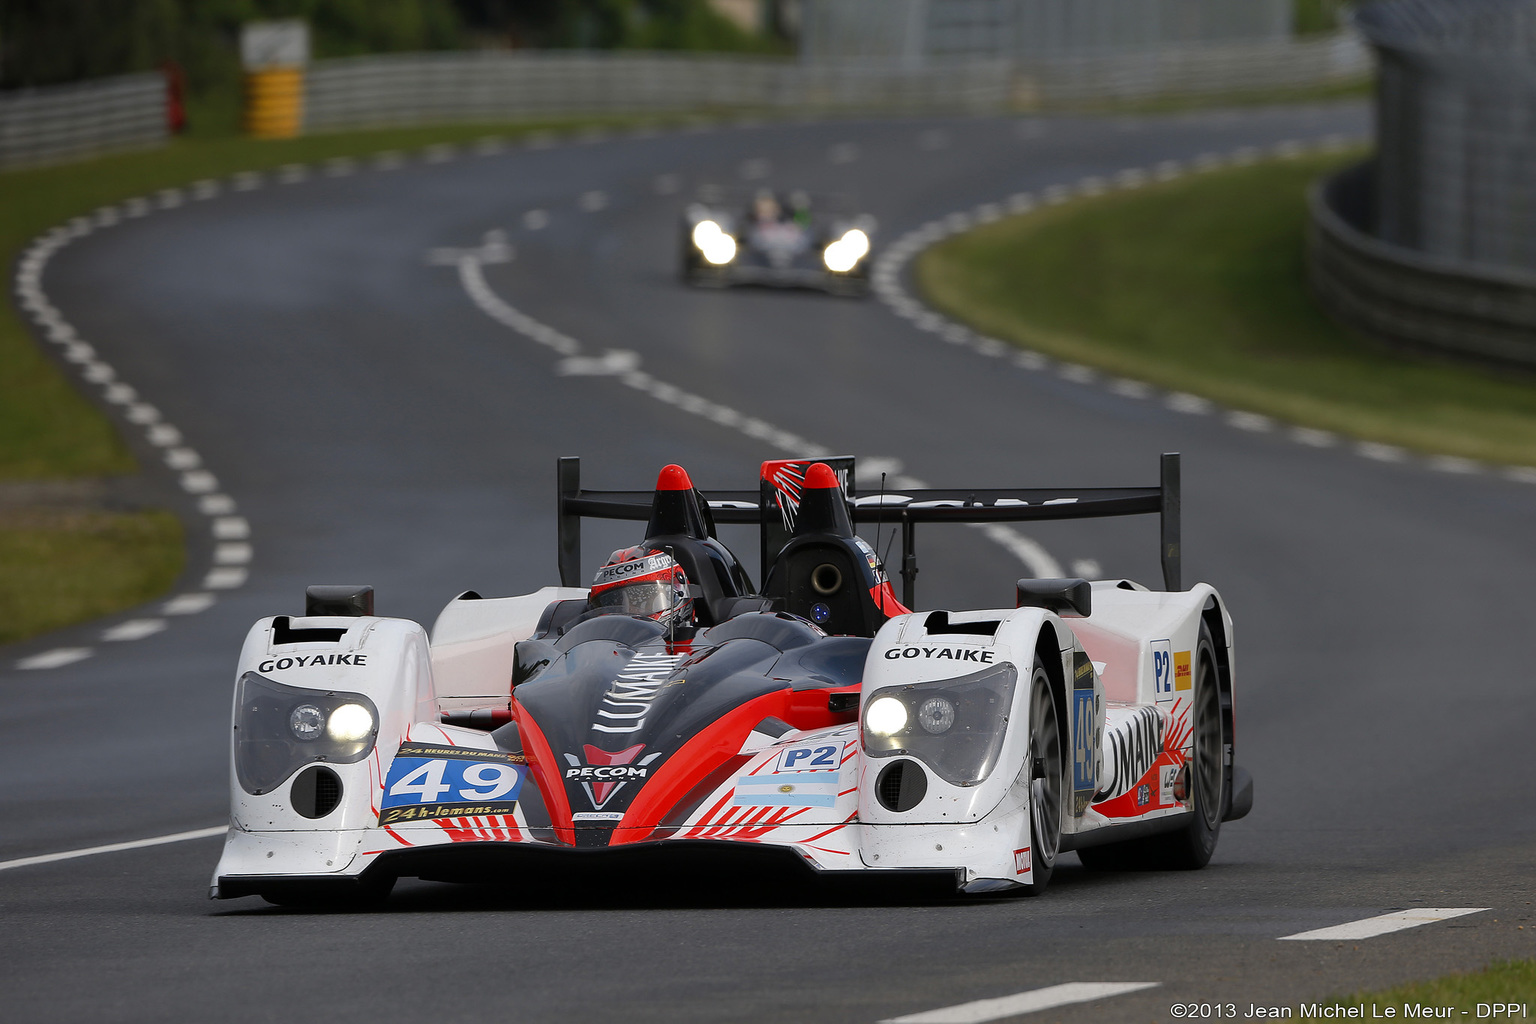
(1024, 1002)
(134, 844)
(188, 604)
(56, 658)
(134, 629)
(1383, 925)
(625, 367)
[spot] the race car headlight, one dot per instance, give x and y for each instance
(844, 254)
(885, 716)
(279, 729)
(716, 246)
(954, 726)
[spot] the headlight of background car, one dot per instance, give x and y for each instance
(844, 254)
(718, 247)
(279, 729)
(955, 726)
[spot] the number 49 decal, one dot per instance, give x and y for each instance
(449, 782)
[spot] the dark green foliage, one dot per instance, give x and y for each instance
(1314, 16)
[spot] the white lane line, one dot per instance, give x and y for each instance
(188, 604)
(625, 366)
(1385, 924)
(667, 184)
(135, 844)
(56, 658)
(983, 1010)
(231, 528)
(755, 169)
(536, 220)
(225, 577)
(134, 629)
(592, 202)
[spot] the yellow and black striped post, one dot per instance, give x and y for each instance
(275, 54)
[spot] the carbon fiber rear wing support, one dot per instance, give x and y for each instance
(905, 508)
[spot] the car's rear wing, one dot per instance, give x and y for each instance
(905, 507)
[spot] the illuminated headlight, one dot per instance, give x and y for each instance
(885, 716)
(279, 728)
(844, 254)
(954, 726)
(349, 723)
(717, 247)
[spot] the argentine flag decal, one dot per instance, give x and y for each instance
(787, 789)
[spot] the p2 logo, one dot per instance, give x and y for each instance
(1162, 670)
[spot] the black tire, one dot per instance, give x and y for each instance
(1191, 847)
(1046, 767)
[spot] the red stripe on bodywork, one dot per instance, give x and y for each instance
(696, 759)
(555, 800)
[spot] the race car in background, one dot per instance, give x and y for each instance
(788, 240)
(672, 710)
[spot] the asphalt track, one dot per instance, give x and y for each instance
(376, 425)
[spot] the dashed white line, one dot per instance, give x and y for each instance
(843, 153)
(755, 169)
(188, 604)
(983, 1010)
(592, 202)
(134, 629)
(224, 578)
(536, 220)
(1194, 405)
(1384, 924)
(133, 844)
(56, 658)
(231, 528)
(1380, 452)
(1314, 438)
(667, 184)
(234, 552)
(1250, 421)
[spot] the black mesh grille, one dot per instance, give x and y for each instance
(316, 791)
(901, 786)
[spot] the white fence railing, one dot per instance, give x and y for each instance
(67, 122)
(422, 88)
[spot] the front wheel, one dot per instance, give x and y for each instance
(1045, 769)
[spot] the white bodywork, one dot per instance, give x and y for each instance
(1125, 739)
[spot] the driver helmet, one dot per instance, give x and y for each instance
(644, 582)
(765, 207)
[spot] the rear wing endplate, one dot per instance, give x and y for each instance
(906, 507)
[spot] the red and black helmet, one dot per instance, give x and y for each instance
(644, 582)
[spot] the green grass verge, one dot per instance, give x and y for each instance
(1511, 981)
(1199, 285)
(59, 568)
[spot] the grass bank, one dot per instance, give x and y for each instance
(59, 568)
(1511, 981)
(1199, 285)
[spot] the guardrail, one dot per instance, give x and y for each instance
(1406, 297)
(67, 122)
(422, 88)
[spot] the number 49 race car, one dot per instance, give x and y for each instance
(670, 710)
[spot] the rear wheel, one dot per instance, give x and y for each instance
(1045, 780)
(1206, 776)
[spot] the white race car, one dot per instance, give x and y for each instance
(670, 711)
